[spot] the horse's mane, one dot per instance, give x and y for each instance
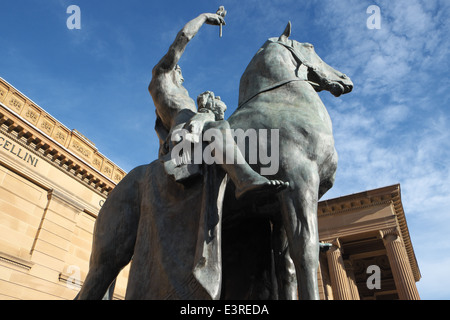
(247, 86)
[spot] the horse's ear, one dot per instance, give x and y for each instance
(286, 33)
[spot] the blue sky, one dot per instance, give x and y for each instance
(393, 128)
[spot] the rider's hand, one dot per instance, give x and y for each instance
(214, 19)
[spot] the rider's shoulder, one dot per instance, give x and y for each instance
(161, 70)
(160, 78)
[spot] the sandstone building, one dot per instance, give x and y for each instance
(53, 181)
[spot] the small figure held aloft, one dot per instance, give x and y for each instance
(221, 12)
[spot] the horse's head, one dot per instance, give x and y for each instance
(318, 72)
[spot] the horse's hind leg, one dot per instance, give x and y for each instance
(114, 238)
(299, 212)
(284, 266)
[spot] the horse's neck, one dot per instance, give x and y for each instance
(259, 92)
(272, 66)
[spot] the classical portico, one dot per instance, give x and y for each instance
(371, 256)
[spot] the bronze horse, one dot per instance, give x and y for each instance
(278, 90)
(155, 221)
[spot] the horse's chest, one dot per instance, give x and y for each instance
(306, 121)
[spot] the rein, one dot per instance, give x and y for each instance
(283, 82)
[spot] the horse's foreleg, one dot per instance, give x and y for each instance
(299, 212)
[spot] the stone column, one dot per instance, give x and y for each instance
(351, 279)
(338, 275)
(328, 289)
(400, 266)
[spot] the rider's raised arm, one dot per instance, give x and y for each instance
(171, 58)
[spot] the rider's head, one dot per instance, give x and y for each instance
(207, 100)
(220, 108)
(178, 75)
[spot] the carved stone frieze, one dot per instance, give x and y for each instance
(31, 113)
(15, 102)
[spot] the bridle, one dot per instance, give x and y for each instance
(299, 58)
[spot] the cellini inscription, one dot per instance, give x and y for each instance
(18, 151)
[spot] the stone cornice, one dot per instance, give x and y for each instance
(351, 203)
(68, 150)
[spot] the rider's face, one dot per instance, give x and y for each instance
(220, 109)
(178, 75)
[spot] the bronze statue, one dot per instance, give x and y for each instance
(197, 240)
